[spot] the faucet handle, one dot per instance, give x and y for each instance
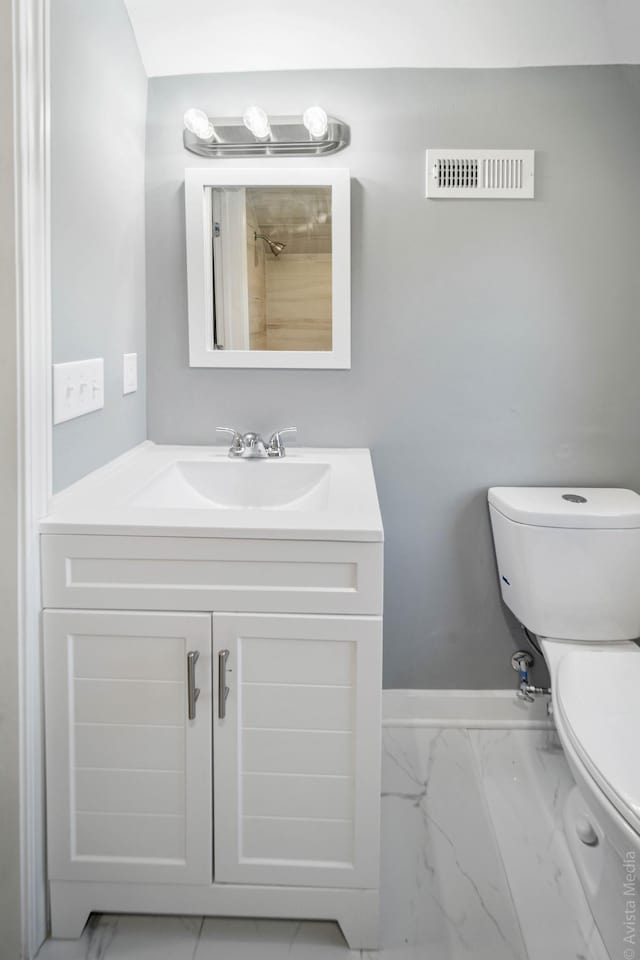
(237, 442)
(276, 446)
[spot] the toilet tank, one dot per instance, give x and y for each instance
(569, 560)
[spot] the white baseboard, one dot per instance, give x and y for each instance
(474, 709)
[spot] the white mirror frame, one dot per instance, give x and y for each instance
(200, 269)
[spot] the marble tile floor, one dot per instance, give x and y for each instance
(474, 865)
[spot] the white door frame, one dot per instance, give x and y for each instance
(33, 259)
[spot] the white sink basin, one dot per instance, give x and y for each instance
(169, 491)
(237, 485)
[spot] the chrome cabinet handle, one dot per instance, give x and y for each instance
(192, 691)
(223, 689)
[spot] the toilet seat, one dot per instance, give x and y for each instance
(597, 704)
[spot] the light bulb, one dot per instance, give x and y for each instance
(257, 121)
(316, 122)
(198, 123)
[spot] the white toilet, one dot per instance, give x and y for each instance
(569, 569)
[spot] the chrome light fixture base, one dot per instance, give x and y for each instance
(289, 138)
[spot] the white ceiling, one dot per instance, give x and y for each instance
(217, 36)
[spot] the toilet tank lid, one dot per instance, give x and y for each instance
(577, 507)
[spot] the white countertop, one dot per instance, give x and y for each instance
(109, 500)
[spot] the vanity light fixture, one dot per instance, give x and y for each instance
(257, 122)
(198, 123)
(316, 121)
(255, 134)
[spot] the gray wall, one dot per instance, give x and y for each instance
(98, 109)
(10, 931)
(493, 342)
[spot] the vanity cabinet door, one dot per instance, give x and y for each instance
(128, 773)
(297, 749)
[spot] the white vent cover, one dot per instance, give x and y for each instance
(480, 174)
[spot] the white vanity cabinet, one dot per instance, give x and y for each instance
(265, 802)
(296, 760)
(128, 773)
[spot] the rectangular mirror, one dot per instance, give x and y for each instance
(268, 267)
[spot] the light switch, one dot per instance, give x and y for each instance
(78, 388)
(129, 372)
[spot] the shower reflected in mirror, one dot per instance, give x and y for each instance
(272, 267)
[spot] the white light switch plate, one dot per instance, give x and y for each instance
(129, 372)
(78, 388)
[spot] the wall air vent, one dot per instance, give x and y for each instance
(480, 174)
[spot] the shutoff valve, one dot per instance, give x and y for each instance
(522, 661)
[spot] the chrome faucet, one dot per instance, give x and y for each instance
(254, 447)
(251, 446)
